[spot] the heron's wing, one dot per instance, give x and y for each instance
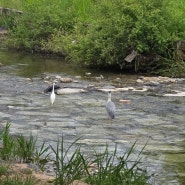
(111, 108)
(52, 97)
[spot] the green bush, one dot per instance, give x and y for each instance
(102, 33)
(119, 28)
(39, 21)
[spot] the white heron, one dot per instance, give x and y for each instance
(52, 96)
(110, 107)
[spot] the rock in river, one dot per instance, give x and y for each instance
(69, 91)
(66, 80)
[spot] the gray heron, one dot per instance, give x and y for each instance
(110, 107)
(52, 96)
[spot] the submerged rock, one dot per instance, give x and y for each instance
(66, 80)
(140, 89)
(69, 91)
(87, 73)
(124, 101)
(99, 77)
(77, 77)
(156, 80)
(177, 93)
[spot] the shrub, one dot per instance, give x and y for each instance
(22, 148)
(113, 169)
(39, 21)
(119, 28)
(101, 33)
(72, 164)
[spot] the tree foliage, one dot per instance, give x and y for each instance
(101, 33)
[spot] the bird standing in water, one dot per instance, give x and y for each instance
(110, 107)
(52, 96)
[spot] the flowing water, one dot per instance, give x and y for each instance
(150, 117)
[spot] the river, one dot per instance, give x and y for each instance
(150, 117)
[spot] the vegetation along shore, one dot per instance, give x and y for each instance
(123, 34)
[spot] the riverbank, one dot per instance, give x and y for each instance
(24, 171)
(91, 34)
(66, 168)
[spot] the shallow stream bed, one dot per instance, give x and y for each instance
(150, 117)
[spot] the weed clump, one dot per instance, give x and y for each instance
(71, 163)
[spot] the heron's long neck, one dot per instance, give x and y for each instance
(53, 87)
(109, 96)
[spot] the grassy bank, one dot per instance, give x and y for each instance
(70, 163)
(102, 33)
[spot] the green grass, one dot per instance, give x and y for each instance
(3, 169)
(6, 179)
(72, 164)
(114, 169)
(14, 4)
(21, 148)
(8, 143)
(68, 168)
(25, 148)
(111, 169)
(17, 180)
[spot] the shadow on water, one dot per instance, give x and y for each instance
(34, 65)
